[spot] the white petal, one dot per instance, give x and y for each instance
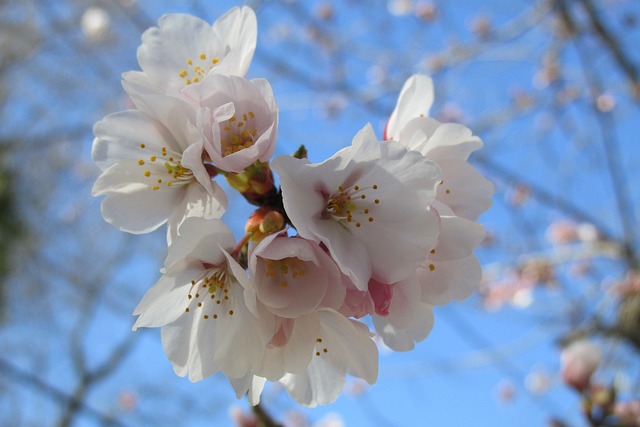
(200, 239)
(197, 203)
(240, 342)
(179, 343)
(165, 301)
(165, 49)
(120, 136)
(296, 354)
(458, 238)
(444, 281)
(451, 141)
(249, 385)
(464, 190)
(131, 205)
(415, 100)
(409, 320)
(176, 114)
(238, 30)
(349, 350)
(321, 384)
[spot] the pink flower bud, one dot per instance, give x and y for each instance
(579, 361)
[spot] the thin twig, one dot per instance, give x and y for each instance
(29, 379)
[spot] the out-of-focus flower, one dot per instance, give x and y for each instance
(537, 271)
(332, 419)
(356, 387)
(426, 10)
(605, 102)
(127, 400)
(562, 232)
(505, 391)
(628, 412)
(579, 360)
(549, 71)
(518, 195)
(242, 418)
(588, 233)
(481, 26)
(538, 381)
(630, 285)
(325, 11)
(513, 289)
(435, 63)
(95, 23)
(399, 7)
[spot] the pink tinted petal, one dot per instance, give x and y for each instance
(381, 295)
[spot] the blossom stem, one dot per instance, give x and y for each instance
(240, 251)
(264, 419)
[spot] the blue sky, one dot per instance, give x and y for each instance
(453, 377)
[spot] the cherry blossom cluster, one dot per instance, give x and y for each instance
(372, 237)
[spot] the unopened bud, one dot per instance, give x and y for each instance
(579, 361)
(255, 183)
(263, 222)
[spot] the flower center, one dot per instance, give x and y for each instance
(165, 169)
(352, 205)
(238, 133)
(197, 69)
(210, 294)
(284, 269)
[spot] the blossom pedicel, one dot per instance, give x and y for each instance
(383, 228)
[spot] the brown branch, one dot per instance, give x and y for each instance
(61, 397)
(609, 40)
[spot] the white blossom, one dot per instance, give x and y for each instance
(201, 304)
(184, 50)
(367, 204)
